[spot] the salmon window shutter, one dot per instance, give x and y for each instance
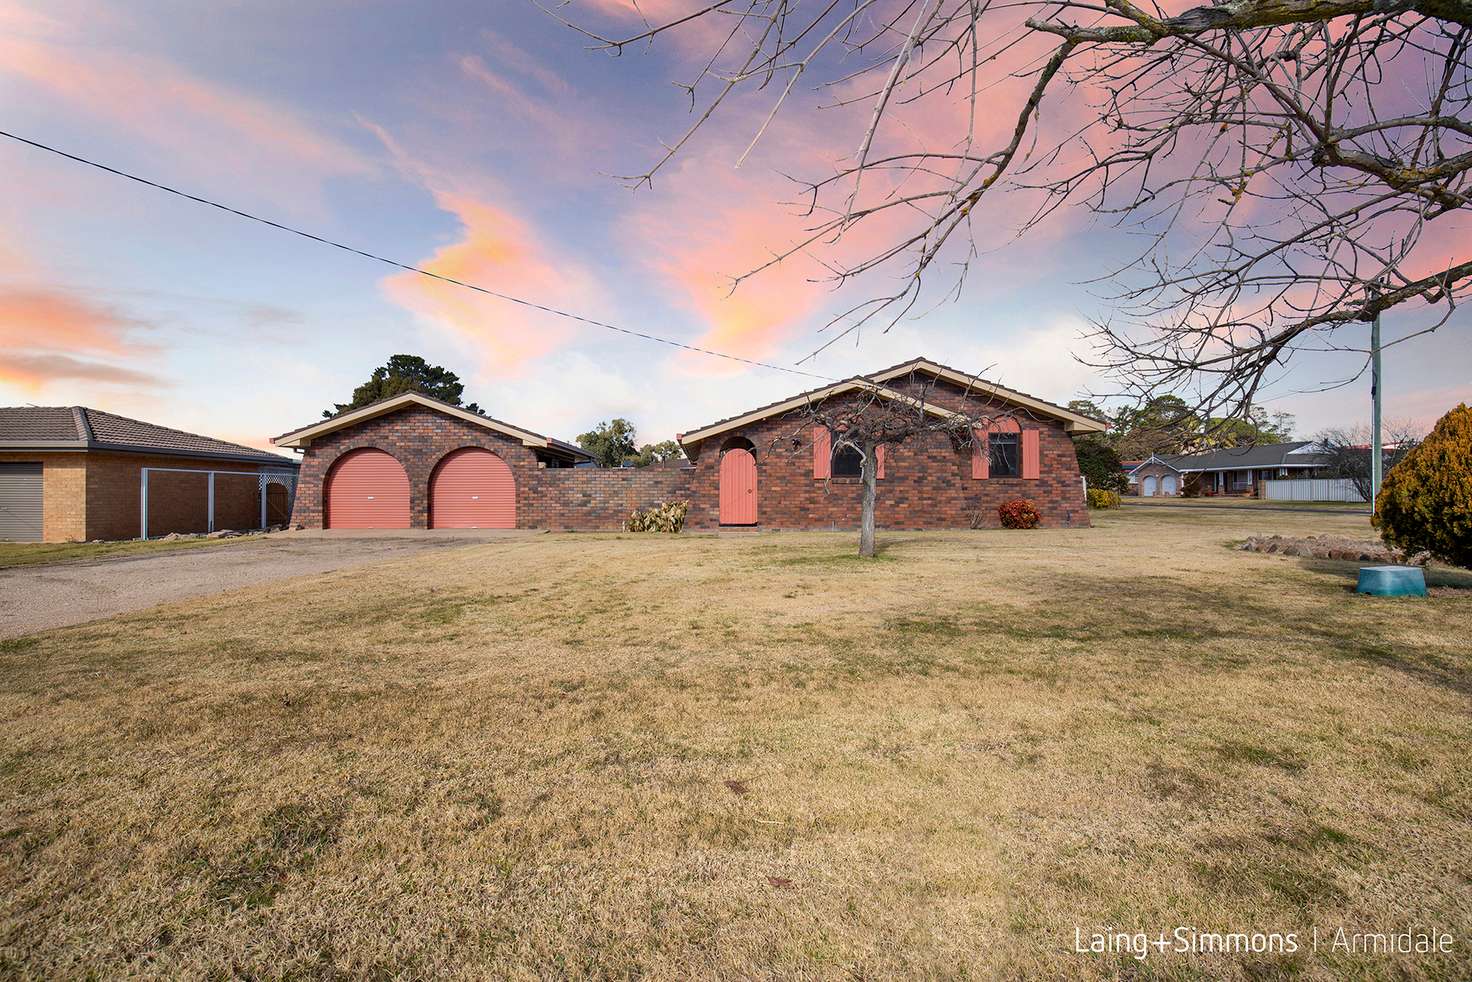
(980, 455)
(822, 453)
(1031, 465)
(879, 462)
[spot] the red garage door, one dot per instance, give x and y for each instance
(472, 489)
(366, 489)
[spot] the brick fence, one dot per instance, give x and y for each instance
(591, 499)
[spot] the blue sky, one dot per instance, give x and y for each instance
(477, 139)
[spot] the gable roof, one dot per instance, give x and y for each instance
(805, 398)
(82, 428)
(1165, 461)
(303, 437)
(1073, 422)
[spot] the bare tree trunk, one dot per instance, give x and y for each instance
(867, 472)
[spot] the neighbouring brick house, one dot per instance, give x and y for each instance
(70, 473)
(411, 461)
(1241, 470)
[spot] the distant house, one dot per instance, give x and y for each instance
(72, 473)
(1230, 471)
(1129, 473)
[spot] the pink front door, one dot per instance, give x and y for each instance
(738, 488)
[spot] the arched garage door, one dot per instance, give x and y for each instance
(366, 489)
(1147, 488)
(1168, 484)
(472, 489)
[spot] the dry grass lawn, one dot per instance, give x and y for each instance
(752, 756)
(34, 553)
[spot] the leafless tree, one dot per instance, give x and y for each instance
(864, 417)
(1349, 451)
(1291, 167)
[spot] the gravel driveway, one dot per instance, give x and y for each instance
(40, 597)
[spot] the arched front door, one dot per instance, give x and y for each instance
(1168, 484)
(366, 489)
(738, 488)
(1147, 487)
(472, 489)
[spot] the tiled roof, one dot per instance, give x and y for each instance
(351, 416)
(30, 423)
(1259, 455)
(67, 427)
(914, 365)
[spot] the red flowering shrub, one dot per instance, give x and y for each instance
(1019, 513)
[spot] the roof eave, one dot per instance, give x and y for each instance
(43, 445)
(302, 438)
(806, 399)
(1073, 422)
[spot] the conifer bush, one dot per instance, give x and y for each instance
(1425, 503)
(1100, 498)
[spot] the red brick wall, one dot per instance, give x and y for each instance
(176, 502)
(927, 482)
(592, 498)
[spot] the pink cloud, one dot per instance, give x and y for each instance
(49, 335)
(499, 250)
(511, 55)
(189, 117)
(34, 372)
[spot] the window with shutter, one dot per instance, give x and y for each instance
(1031, 462)
(847, 461)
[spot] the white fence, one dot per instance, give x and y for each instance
(1314, 489)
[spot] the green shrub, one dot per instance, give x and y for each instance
(1425, 504)
(1019, 513)
(1099, 498)
(1100, 464)
(667, 516)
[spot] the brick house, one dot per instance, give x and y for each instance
(70, 473)
(411, 461)
(1241, 471)
(794, 477)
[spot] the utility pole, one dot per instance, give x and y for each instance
(1377, 456)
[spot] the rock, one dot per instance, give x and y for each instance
(223, 534)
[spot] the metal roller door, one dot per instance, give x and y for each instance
(472, 489)
(367, 489)
(20, 502)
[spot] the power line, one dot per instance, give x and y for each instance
(406, 266)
